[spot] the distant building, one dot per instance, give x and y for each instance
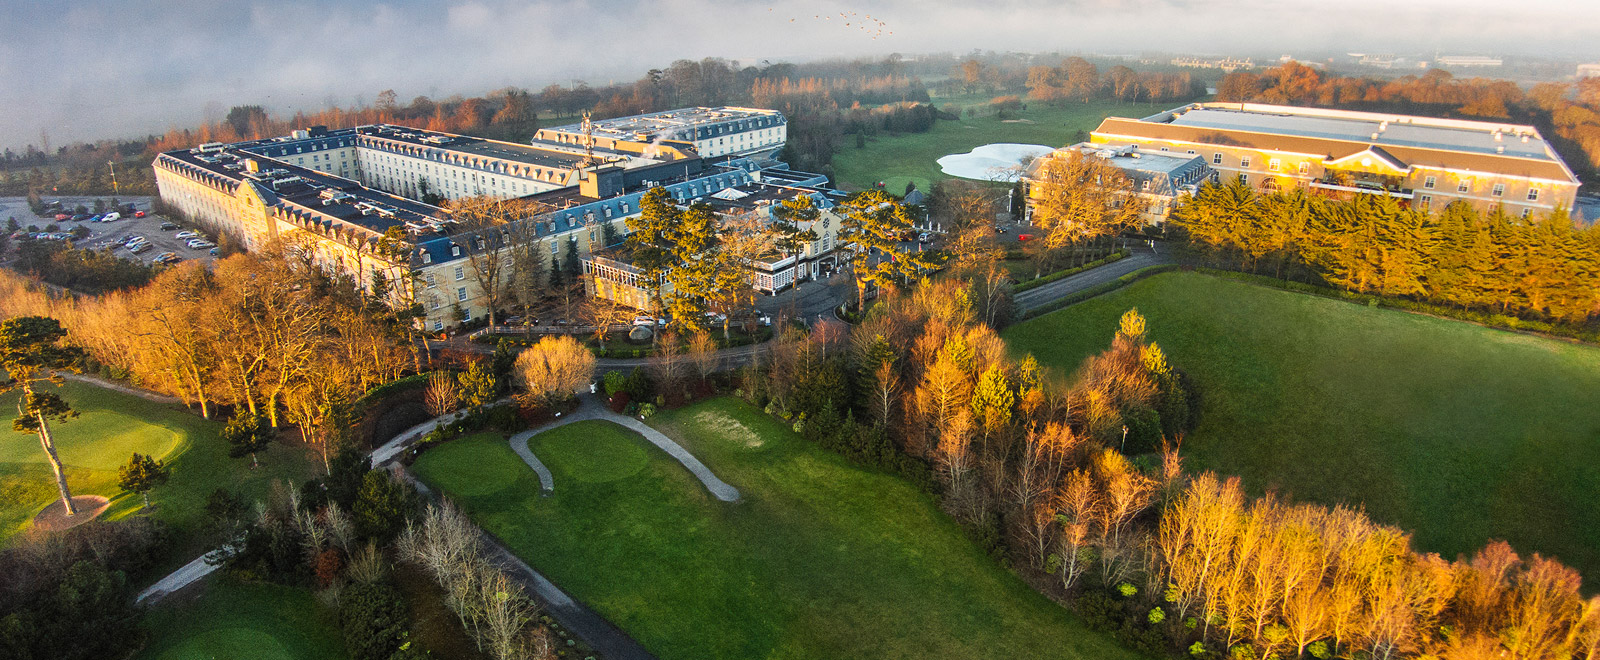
(1225, 63)
(1588, 71)
(1425, 161)
(713, 132)
(1466, 61)
(1161, 176)
(350, 199)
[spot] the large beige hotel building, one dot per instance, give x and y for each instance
(1425, 161)
(335, 194)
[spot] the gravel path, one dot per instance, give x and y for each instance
(593, 407)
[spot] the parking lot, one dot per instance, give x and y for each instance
(103, 234)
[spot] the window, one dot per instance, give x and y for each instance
(1498, 190)
(427, 257)
(624, 208)
(433, 303)
(1533, 194)
(1244, 161)
(438, 325)
(1527, 212)
(455, 250)
(1428, 183)
(1305, 169)
(430, 280)
(1191, 152)
(1144, 185)
(461, 293)
(1465, 186)
(553, 247)
(1424, 201)
(459, 275)
(1274, 164)
(466, 315)
(1165, 149)
(1216, 159)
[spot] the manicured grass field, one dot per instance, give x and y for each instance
(913, 156)
(110, 427)
(1456, 432)
(819, 560)
(232, 619)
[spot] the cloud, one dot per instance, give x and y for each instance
(83, 69)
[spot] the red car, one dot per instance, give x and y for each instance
(62, 216)
(138, 214)
(1024, 237)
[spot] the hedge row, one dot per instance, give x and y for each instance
(1098, 289)
(1500, 321)
(1035, 283)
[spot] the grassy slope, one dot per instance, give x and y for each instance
(820, 559)
(110, 427)
(231, 619)
(913, 156)
(1458, 433)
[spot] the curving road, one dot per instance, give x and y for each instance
(1067, 286)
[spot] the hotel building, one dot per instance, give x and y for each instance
(1426, 162)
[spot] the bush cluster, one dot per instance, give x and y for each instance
(1036, 283)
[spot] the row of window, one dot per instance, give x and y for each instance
(1463, 186)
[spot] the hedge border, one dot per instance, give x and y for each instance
(1485, 319)
(1120, 254)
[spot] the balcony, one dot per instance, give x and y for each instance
(1363, 183)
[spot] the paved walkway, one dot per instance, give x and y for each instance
(176, 580)
(1093, 277)
(135, 391)
(610, 641)
(593, 407)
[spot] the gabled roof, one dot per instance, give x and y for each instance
(1369, 156)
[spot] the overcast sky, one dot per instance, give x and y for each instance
(84, 69)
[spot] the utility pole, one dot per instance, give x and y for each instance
(114, 189)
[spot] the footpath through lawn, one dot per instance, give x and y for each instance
(820, 559)
(1455, 432)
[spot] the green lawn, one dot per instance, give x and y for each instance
(819, 560)
(232, 619)
(1456, 432)
(913, 156)
(110, 427)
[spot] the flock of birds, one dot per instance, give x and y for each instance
(864, 22)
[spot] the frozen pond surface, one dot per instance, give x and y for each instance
(991, 162)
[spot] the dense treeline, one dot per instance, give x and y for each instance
(264, 335)
(88, 271)
(1567, 114)
(67, 595)
(1078, 79)
(1540, 267)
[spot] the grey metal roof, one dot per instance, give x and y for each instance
(1474, 137)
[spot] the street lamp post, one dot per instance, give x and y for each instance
(114, 189)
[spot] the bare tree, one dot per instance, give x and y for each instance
(702, 351)
(443, 394)
(488, 243)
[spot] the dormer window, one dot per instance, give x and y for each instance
(427, 257)
(455, 250)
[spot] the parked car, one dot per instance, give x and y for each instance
(111, 217)
(1024, 237)
(644, 321)
(187, 233)
(94, 218)
(126, 240)
(166, 257)
(924, 237)
(140, 248)
(166, 226)
(138, 214)
(62, 217)
(80, 217)
(201, 244)
(213, 252)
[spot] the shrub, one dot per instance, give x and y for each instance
(647, 411)
(372, 617)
